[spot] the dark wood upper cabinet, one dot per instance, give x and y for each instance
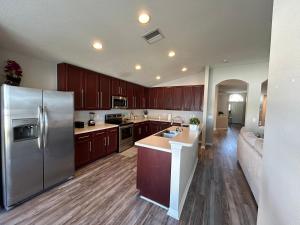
(71, 78)
(146, 98)
(139, 95)
(198, 92)
(152, 97)
(187, 98)
(168, 98)
(91, 90)
(115, 88)
(177, 98)
(160, 97)
(123, 88)
(118, 87)
(104, 94)
(130, 95)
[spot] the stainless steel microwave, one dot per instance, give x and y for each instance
(118, 102)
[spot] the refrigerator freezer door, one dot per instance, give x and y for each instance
(22, 159)
(58, 110)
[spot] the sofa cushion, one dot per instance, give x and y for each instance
(259, 146)
(249, 137)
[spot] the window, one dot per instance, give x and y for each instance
(236, 98)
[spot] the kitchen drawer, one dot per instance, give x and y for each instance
(83, 137)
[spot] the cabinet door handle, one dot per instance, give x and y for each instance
(101, 100)
(104, 141)
(90, 143)
(98, 99)
(82, 137)
(82, 98)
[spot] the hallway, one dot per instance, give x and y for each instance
(219, 193)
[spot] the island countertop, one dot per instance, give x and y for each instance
(186, 138)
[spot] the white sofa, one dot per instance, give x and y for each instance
(250, 153)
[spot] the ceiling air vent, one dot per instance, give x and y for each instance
(153, 36)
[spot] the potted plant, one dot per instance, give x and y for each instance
(194, 123)
(13, 73)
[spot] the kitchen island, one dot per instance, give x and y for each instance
(165, 167)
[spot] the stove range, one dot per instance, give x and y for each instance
(125, 130)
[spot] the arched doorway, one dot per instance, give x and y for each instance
(230, 103)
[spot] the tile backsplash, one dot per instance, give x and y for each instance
(184, 115)
(152, 113)
(100, 114)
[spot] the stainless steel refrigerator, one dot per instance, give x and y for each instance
(37, 141)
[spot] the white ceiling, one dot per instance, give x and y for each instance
(200, 31)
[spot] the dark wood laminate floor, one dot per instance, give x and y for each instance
(104, 193)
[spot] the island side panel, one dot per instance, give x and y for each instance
(154, 175)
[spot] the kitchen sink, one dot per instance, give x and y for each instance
(167, 133)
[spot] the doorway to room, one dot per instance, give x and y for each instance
(230, 104)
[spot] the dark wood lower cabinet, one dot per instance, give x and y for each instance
(99, 148)
(95, 145)
(112, 141)
(154, 175)
(141, 130)
(156, 126)
(83, 149)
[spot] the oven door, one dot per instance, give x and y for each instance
(119, 102)
(125, 137)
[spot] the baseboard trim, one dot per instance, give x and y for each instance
(153, 202)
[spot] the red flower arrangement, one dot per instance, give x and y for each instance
(13, 73)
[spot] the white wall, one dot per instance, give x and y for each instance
(185, 80)
(37, 73)
(223, 103)
(254, 74)
(280, 190)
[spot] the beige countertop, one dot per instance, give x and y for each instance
(140, 120)
(99, 126)
(184, 138)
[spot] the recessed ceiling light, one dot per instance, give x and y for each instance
(225, 61)
(97, 45)
(144, 18)
(171, 54)
(138, 67)
(184, 69)
(157, 77)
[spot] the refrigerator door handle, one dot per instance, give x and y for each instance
(46, 125)
(41, 126)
